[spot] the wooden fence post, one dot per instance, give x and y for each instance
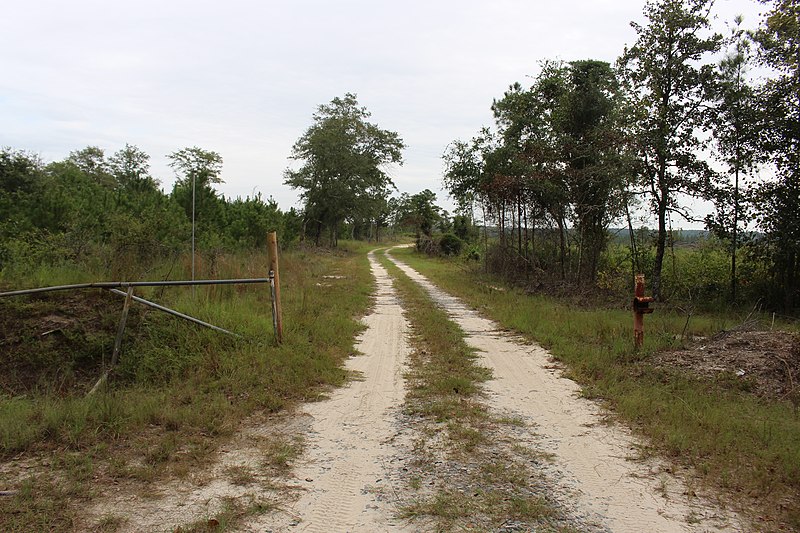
(272, 242)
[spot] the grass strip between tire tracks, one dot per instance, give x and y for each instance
(481, 478)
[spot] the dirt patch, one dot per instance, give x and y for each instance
(764, 363)
(246, 476)
(57, 342)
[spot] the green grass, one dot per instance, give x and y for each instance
(445, 398)
(180, 389)
(734, 440)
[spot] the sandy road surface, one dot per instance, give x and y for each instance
(591, 458)
(346, 471)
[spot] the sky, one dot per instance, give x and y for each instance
(243, 78)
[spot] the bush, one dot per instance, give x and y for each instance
(449, 244)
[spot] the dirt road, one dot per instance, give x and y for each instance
(592, 458)
(346, 473)
(349, 477)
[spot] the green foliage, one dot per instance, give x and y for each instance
(107, 216)
(667, 83)
(779, 48)
(556, 159)
(251, 219)
(419, 212)
(343, 176)
(449, 244)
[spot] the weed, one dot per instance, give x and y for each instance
(240, 475)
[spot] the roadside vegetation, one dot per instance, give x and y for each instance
(746, 445)
(180, 390)
(468, 473)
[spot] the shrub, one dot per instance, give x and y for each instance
(449, 244)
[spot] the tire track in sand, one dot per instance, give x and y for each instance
(590, 457)
(344, 472)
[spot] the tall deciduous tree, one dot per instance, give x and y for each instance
(345, 160)
(667, 81)
(196, 169)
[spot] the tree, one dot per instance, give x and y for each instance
(344, 165)
(779, 49)
(200, 169)
(588, 121)
(130, 167)
(92, 162)
(197, 171)
(734, 121)
(668, 86)
(421, 213)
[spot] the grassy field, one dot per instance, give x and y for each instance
(180, 390)
(749, 447)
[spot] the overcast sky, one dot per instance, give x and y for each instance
(243, 78)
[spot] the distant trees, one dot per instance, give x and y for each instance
(734, 121)
(586, 144)
(92, 210)
(419, 212)
(343, 175)
(554, 161)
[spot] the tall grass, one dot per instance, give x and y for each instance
(734, 440)
(179, 387)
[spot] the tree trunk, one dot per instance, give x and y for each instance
(735, 227)
(661, 244)
(562, 247)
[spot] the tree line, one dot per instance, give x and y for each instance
(109, 213)
(588, 143)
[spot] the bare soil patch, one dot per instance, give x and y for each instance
(57, 341)
(764, 363)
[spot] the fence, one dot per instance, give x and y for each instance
(129, 286)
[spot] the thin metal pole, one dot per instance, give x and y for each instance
(274, 303)
(193, 230)
(176, 313)
(125, 284)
